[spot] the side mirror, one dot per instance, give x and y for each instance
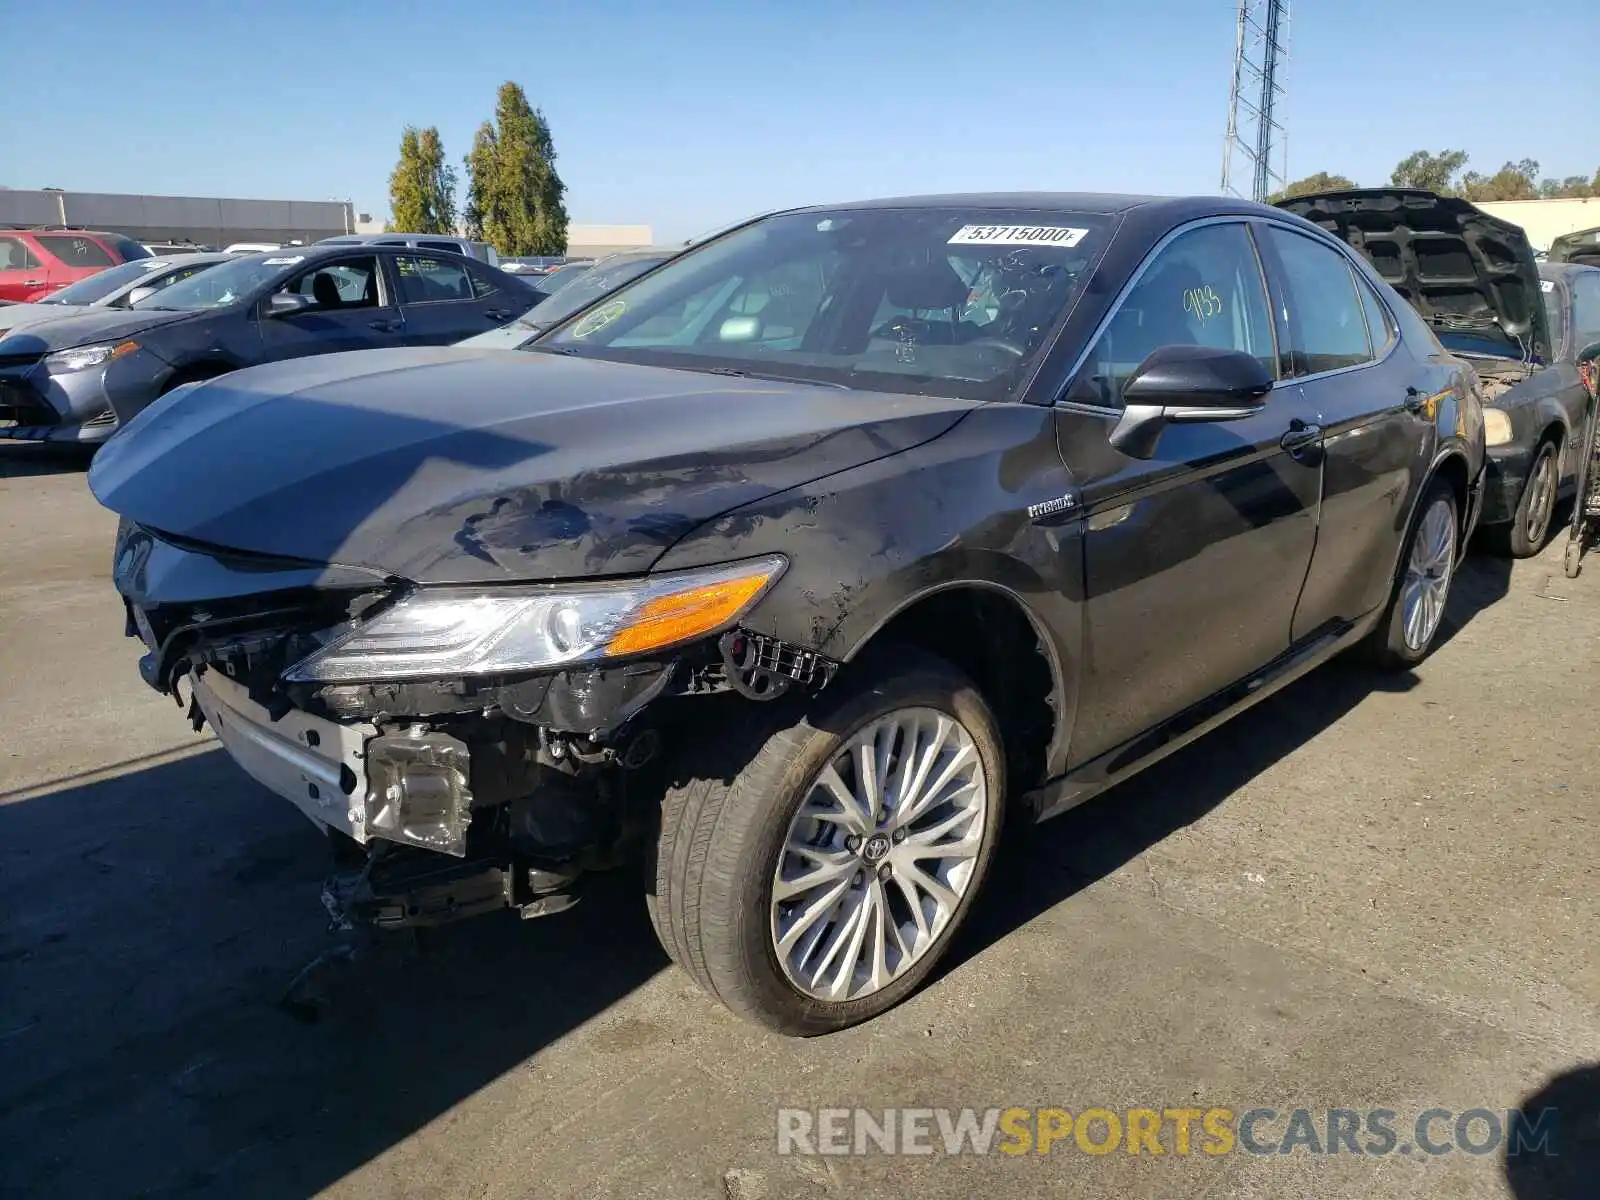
(1186, 384)
(140, 293)
(286, 304)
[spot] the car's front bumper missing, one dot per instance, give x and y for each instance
(408, 786)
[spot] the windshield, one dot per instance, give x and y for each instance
(99, 286)
(224, 284)
(947, 301)
(587, 286)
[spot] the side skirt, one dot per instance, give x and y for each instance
(1093, 777)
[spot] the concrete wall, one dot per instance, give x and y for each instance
(583, 241)
(1546, 220)
(177, 218)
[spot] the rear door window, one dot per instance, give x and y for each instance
(76, 251)
(1380, 327)
(1204, 288)
(1327, 325)
(425, 279)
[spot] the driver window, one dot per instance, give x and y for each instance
(1203, 289)
(349, 283)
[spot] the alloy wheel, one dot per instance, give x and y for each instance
(1428, 572)
(879, 855)
(1541, 497)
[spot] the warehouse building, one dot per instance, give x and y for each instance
(1545, 220)
(221, 222)
(206, 220)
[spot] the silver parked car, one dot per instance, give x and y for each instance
(115, 287)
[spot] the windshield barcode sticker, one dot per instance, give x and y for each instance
(1018, 235)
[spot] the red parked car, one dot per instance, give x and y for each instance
(36, 262)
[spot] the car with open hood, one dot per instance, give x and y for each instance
(799, 565)
(1581, 247)
(1473, 279)
(75, 378)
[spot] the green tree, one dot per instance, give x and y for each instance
(1571, 188)
(1514, 181)
(1431, 172)
(1311, 185)
(515, 196)
(480, 167)
(422, 190)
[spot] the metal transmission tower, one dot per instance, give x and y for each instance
(1255, 135)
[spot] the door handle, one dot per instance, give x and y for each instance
(386, 326)
(1300, 436)
(33, 283)
(496, 314)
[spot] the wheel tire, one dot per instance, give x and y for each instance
(1386, 645)
(723, 833)
(1529, 528)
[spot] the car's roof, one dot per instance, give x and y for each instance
(349, 238)
(1563, 270)
(184, 259)
(1179, 207)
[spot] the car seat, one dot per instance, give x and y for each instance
(326, 291)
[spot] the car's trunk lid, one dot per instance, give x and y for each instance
(1470, 276)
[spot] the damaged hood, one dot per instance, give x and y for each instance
(1466, 273)
(1582, 247)
(82, 327)
(446, 464)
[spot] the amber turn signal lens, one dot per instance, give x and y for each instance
(682, 616)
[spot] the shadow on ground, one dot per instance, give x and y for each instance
(1568, 1168)
(21, 459)
(152, 919)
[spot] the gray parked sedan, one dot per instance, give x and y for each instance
(120, 286)
(73, 379)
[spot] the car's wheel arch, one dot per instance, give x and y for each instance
(199, 369)
(921, 616)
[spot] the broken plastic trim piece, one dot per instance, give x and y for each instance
(764, 668)
(417, 790)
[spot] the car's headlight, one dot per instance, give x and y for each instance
(81, 358)
(1496, 427)
(454, 631)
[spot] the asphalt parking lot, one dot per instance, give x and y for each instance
(1366, 893)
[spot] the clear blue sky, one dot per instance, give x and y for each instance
(684, 115)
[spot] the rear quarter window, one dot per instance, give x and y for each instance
(75, 251)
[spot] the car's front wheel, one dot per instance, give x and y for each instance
(817, 885)
(1530, 525)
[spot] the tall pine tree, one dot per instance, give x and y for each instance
(422, 190)
(514, 194)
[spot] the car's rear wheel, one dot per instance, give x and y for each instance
(1416, 606)
(1530, 525)
(817, 885)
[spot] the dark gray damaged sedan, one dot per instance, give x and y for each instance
(800, 564)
